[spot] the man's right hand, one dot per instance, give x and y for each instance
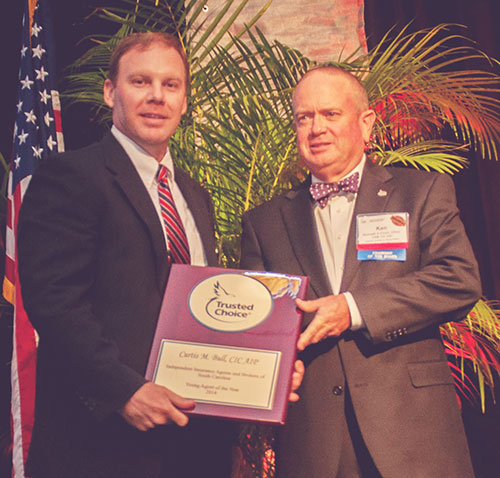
(331, 319)
(153, 405)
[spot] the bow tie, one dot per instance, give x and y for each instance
(321, 192)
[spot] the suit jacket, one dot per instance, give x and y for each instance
(93, 267)
(396, 369)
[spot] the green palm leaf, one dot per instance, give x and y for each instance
(418, 93)
(428, 155)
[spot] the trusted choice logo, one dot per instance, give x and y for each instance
(230, 302)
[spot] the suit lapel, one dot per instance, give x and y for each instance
(129, 181)
(198, 209)
(374, 191)
(298, 216)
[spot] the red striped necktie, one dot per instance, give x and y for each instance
(178, 248)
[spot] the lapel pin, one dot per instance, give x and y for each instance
(381, 193)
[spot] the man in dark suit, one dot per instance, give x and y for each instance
(94, 258)
(377, 397)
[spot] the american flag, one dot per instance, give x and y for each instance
(37, 134)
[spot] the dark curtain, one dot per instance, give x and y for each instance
(477, 190)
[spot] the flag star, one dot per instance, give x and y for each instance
(44, 96)
(47, 118)
(19, 106)
(22, 137)
(16, 161)
(51, 143)
(30, 117)
(37, 151)
(41, 74)
(26, 83)
(24, 49)
(38, 52)
(35, 29)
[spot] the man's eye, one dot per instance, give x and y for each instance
(138, 81)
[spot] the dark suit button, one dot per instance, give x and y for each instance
(337, 390)
(388, 336)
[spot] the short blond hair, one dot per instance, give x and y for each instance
(143, 41)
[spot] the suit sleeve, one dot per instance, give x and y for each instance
(251, 255)
(442, 287)
(58, 239)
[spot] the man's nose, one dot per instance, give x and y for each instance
(156, 93)
(318, 124)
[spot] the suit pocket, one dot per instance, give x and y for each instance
(425, 374)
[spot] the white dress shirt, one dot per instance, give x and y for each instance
(147, 168)
(333, 223)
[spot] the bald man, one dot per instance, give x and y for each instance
(377, 397)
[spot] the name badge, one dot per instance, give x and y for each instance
(382, 236)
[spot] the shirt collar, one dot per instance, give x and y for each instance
(146, 165)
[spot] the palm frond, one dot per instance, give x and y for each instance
(241, 96)
(476, 341)
(419, 88)
(430, 155)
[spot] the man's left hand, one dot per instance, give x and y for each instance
(332, 318)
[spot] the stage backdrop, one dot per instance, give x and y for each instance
(323, 30)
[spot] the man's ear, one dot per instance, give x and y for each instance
(366, 121)
(108, 91)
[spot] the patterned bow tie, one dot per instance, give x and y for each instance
(321, 192)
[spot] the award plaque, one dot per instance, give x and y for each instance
(227, 339)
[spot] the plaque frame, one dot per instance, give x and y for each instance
(233, 374)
